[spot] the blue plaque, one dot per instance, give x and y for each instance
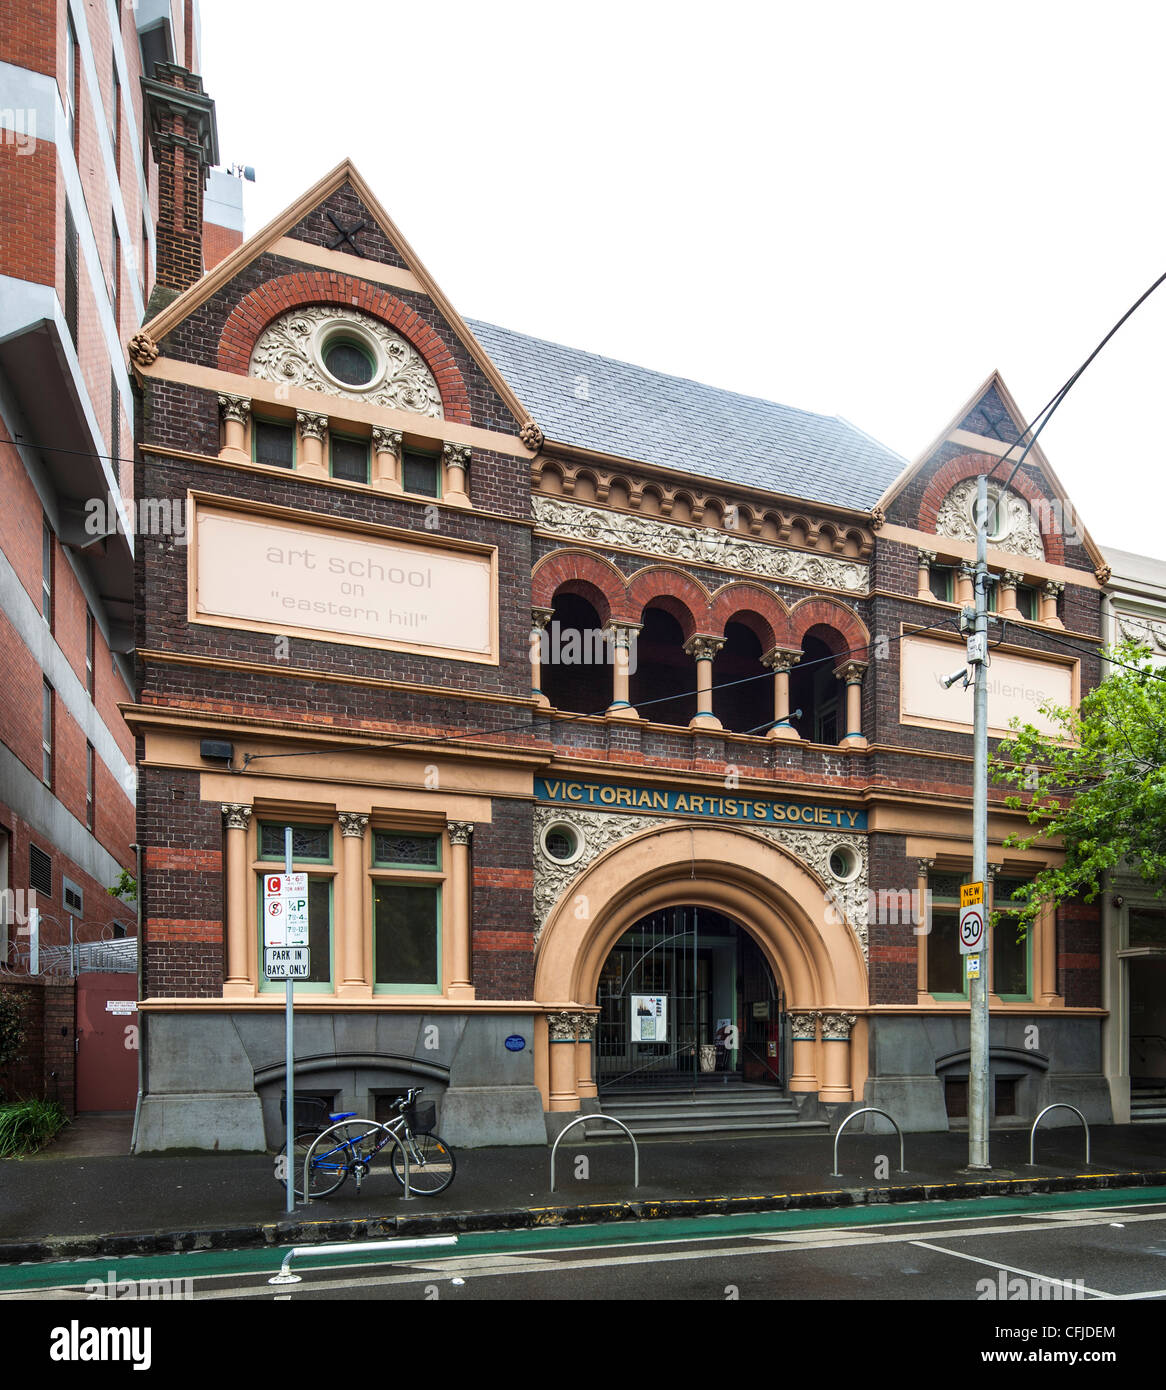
(515, 1042)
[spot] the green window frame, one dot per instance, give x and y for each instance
(312, 848)
(941, 581)
(401, 849)
(263, 423)
(352, 344)
(407, 956)
(349, 445)
(1008, 956)
(943, 919)
(413, 461)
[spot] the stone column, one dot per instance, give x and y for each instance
(922, 925)
(926, 560)
(965, 583)
(539, 618)
(1048, 603)
(561, 1030)
(238, 984)
(852, 673)
(804, 1030)
(460, 889)
(236, 410)
(456, 458)
(1008, 582)
(782, 660)
(350, 938)
(585, 1083)
(387, 444)
(620, 639)
(312, 428)
(836, 1037)
(702, 650)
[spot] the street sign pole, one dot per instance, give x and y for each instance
(978, 983)
(289, 1060)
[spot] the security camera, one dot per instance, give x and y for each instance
(948, 681)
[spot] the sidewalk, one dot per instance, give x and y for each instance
(78, 1199)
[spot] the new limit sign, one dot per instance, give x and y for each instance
(286, 957)
(972, 926)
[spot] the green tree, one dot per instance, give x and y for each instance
(125, 888)
(1098, 784)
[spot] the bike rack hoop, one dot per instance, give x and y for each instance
(1057, 1105)
(867, 1110)
(582, 1120)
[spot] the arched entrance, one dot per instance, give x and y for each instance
(687, 998)
(812, 952)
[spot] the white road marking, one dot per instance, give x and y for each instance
(1012, 1269)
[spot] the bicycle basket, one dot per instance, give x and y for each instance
(422, 1117)
(310, 1112)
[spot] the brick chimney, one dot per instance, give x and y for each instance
(185, 142)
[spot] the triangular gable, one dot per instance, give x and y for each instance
(992, 416)
(305, 210)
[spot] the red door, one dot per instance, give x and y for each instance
(107, 1041)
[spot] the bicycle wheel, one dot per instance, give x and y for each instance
(330, 1163)
(431, 1164)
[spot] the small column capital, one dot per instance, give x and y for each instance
(585, 1026)
(456, 455)
(386, 441)
(541, 616)
(562, 1026)
(781, 659)
(1011, 578)
(925, 866)
(804, 1025)
(1053, 588)
(836, 1027)
(852, 673)
(353, 824)
(460, 831)
(235, 408)
(311, 426)
(702, 648)
(623, 634)
(967, 569)
(927, 558)
(235, 815)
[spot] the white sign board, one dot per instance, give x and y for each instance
(972, 929)
(286, 962)
(285, 910)
(649, 1018)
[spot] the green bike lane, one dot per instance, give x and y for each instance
(30, 1278)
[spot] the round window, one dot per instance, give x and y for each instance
(562, 842)
(844, 863)
(348, 362)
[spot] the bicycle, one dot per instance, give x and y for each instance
(349, 1152)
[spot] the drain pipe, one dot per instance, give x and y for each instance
(137, 849)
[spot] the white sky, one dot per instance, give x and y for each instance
(854, 208)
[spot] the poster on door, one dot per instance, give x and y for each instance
(649, 1018)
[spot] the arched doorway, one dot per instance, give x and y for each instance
(687, 998)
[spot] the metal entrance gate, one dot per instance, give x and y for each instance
(721, 1013)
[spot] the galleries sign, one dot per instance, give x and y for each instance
(386, 589)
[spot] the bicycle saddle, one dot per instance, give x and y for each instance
(347, 1115)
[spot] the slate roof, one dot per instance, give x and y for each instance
(614, 407)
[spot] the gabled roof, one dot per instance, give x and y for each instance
(345, 172)
(993, 392)
(610, 407)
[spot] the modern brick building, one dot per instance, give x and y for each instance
(605, 709)
(79, 200)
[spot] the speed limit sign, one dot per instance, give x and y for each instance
(971, 930)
